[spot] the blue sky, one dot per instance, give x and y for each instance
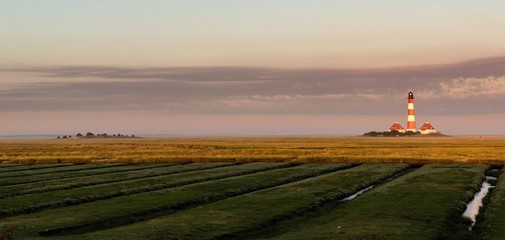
(320, 65)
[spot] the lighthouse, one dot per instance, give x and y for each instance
(411, 119)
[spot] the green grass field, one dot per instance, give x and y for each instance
(220, 189)
(230, 217)
(416, 205)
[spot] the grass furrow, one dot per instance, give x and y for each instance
(424, 204)
(37, 202)
(11, 177)
(233, 216)
(4, 167)
(67, 176)
(154, 204)
(24, 167)
(119, 174)
(493, 218)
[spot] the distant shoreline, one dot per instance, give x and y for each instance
(154, 136)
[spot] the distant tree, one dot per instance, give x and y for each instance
(64, 136)
(90, 134)
(371, 134)
(78, 135)
(393, 133)
(58, 137)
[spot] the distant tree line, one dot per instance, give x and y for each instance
(393, 133)
(100, 135)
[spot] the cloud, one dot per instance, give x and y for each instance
(461, 88)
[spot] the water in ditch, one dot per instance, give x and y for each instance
(473, 207)
(357, 194)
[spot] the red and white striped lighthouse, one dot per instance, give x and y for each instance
(411, 119)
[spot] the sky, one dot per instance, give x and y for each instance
(262, 67)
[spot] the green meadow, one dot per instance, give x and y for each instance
(250, 188)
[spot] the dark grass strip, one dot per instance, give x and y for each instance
(68, 176)
(315, 206)
(424, 204)
(7, 166)
(160, 204)
(285, 224)
(6, 178)
(24, 167)
(229, 218)
(47, 198)
(111, 176)
(38, 202)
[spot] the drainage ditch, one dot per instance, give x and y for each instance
(473, 207)
(357, 194)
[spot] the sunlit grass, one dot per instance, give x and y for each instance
(415, 150)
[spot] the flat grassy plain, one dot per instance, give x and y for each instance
(249, 188)
(231, 219)
(413, 150)
(416, 205)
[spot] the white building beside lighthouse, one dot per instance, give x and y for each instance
(396, 127)
(427, 128)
